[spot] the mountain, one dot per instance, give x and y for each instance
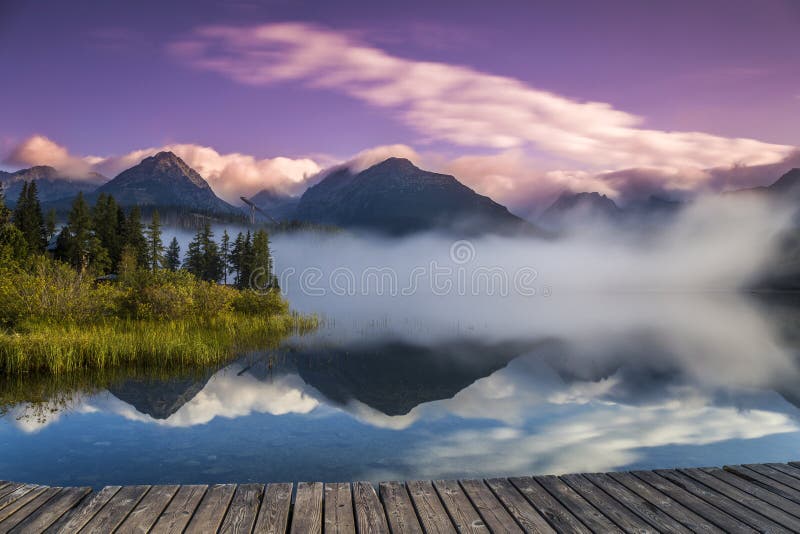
(278, 206)
(396, 197)
(51, 183)
(579, 208)
(166, 181)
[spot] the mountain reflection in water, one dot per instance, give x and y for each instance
(658, 381)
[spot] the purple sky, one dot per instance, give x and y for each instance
(102, 78)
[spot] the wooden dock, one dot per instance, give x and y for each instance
(742, 498)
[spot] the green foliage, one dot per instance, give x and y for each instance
(155, 246)
(134, 236)
(172, 258)
(79, 244)
(203, 258)
(28, 218)
(107, 227)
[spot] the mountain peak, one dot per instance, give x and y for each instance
(788, 181)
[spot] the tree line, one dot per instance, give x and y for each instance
(105, 239)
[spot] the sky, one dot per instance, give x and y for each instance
(521, 100)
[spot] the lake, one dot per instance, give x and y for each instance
(394, 388)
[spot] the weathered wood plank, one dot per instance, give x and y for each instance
(146, 513)
(212, 509)
(180, 510)
(307, 516)
(339, 516)
(774, 474)
(28, 508)
(490, 509)
(765, 482)
(243, 509)
(577, 505)
(755, 490)
(116, 510)
(644, 509)
(430, 510)
(9, 488)
(76, 519)
(786, 468)
(725, 504)
(624, 518)
(553, 511)
(273, 517)
(744, 499)
(461, 511)
(19, 493)
(399, 510)
(41, 519)
(20, 498)
(518, 506)
(691, 520)
(370, 516)
(694, 503)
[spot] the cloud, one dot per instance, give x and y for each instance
(229, 175)
(458, 104)
(39, 150)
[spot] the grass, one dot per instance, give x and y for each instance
(55, 348)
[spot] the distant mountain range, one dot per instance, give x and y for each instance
(396, 197)
(165, 180)
(52, 185)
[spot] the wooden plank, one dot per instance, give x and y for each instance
(765, 482)
(28, 508)
(431, 512)
(461, 511)
(755, 490)
(307, 516)
(491, 510)
(725, 504)
(339, 516)
(212, 509)
(786, 468)
(639, 506)
(520, 509)
(146, 513)
(76, 519)
(774, 474)
(273, 517)
(553, 511)
(180, 510)
(45, 516)
(116, 510)
(624, 518)
(399, 510)
(672, 507)
(243, 509)
(19, 493)
(370, 517)
(577, 505)
(694, 503)
(20, 498)
(8, 488)
(744, 499)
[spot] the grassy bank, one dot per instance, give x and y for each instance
(56, 320)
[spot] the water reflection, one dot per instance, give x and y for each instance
(654, 381)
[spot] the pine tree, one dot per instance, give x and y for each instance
(13, 245)
(172, 258)
(28, 217)
(236, 258)
(78, 244)
(262, 261)
(134, 236)
(225, 254)
(106, 225)
(50, 224)
(203, 258)
(155, 247)
(194, 255)
(5, 213)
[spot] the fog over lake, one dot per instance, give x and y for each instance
(437, 358)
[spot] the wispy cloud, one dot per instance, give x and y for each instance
(458, 104)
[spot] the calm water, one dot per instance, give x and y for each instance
(542, 386)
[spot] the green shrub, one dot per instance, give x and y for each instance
(254, 303)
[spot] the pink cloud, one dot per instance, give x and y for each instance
(461, 105)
